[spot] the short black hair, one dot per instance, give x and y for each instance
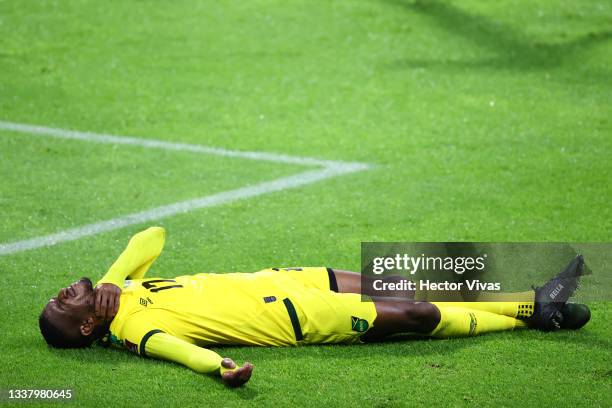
(55, 338)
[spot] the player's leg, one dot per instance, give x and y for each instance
(438, 321)
(393, 317)
(543, 310)
(510, 309)
(512, 304)
(547, 310)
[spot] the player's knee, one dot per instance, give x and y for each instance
(422, 317)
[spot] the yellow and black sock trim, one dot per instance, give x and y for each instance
(525, 310)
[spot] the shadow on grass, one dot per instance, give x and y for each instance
(438, 353)
(515, 49)
(406, 344)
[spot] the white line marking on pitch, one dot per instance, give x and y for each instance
(161, 144)
(330, 169)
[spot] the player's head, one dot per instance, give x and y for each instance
(68, 320)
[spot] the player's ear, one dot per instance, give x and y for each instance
(87, 326)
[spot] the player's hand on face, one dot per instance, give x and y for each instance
(238, 377)
(107, 301)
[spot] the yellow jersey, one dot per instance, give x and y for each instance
(175, 318)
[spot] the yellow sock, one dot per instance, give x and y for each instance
(510, 309)
(461, 322)
(527, 296)
(523, 299)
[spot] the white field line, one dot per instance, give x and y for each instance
(161, 144)
(330, 169)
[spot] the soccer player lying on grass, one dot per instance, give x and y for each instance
(174, 319)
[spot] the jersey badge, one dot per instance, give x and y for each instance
(359, 325)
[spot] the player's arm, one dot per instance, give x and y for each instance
(167, 347)
(140, 253)
(134, 262)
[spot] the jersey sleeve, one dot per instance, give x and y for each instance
(140, 253)
(167, 347)
(143, 338)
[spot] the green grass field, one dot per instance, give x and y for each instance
(484, 121)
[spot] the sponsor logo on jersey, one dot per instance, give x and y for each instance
(146, 301)
(269, 299)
